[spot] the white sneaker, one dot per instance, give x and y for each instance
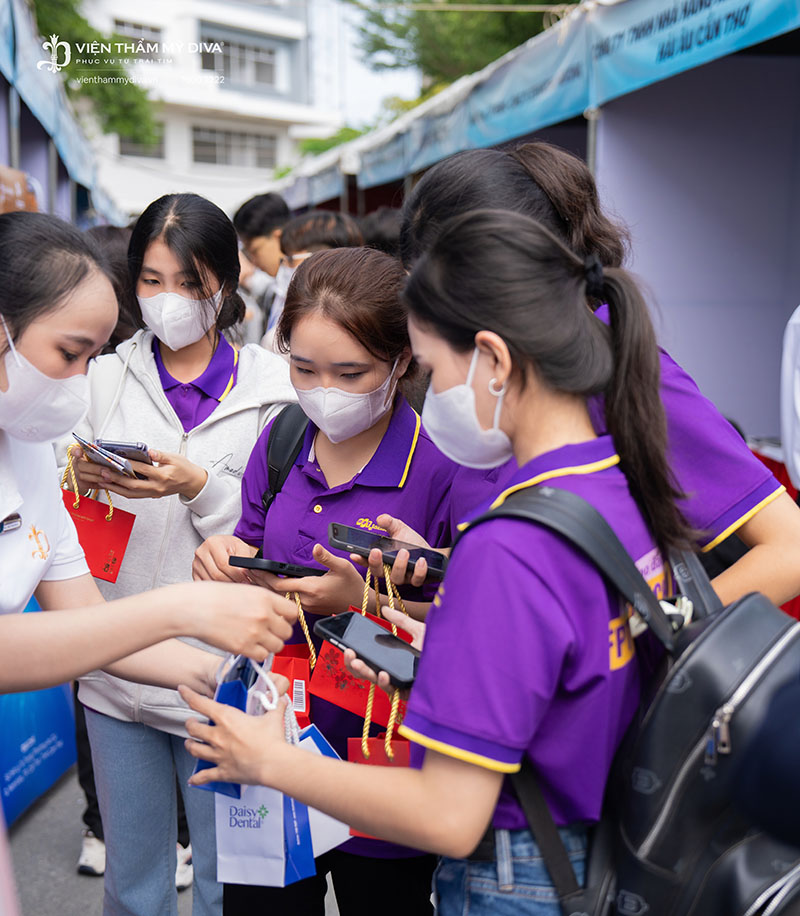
(184, 873)
(92, 859)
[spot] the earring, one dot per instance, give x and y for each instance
(493, 388)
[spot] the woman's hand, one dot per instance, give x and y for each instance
(169, 474)
(332, 593)
(238, 618)
(237, 744)
(415, 628)
(211, 559)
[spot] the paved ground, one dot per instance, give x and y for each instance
(45, 843)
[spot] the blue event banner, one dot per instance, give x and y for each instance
(38, 743)
(634, 44)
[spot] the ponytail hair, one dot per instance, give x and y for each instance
(506, 273)
(634, 412)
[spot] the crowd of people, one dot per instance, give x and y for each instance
(485, 340)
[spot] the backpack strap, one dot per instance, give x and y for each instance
(580, 523)
(692, 580)
(283, 446)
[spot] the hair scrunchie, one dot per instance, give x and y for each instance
(593, 271)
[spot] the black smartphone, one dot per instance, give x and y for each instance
(133, 451)
(355, 540)
(293, 570)
(378, 648)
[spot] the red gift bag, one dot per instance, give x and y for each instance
(332, 681)
(296, 670)
(103, 533)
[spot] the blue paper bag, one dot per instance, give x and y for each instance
(231, 691)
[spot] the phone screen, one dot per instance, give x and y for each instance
(379, 648)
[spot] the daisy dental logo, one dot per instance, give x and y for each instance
(54, 46)
(247, 818)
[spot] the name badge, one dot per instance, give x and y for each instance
(11, 523)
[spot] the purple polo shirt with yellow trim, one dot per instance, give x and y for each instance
(407, 477)
(528, 650)
(725, 484)
(195, 401)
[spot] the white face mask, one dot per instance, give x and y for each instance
(344, 414)
(35, 407)
(450, 419)
(179, 321)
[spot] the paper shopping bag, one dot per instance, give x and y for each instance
(332, 681)
(269, 839)
(263, 838)
(326, 832)
(103, 533)
(377, 758)
(239, 676)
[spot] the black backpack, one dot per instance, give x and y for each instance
(670, 842)
(283, 446)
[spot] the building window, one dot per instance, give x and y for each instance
(228, 147)
(138, 32)
(129, 146)
(240, 62)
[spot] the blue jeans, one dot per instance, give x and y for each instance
(516, 883)
(135, 767)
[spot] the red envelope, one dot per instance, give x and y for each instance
(377, 758)
(296, 670)
(331, 681)
(103, 541)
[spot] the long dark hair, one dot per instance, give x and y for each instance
(42, 261)
(359, 289)
(200, 236)
(504, 272)
(536, 179)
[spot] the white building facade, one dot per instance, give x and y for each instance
(232, 90)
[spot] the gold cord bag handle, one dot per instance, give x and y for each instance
(393, 595)
(301, 617)
(69, 471)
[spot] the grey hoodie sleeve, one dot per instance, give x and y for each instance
(218, 506)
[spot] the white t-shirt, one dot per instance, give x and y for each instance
(45, 547)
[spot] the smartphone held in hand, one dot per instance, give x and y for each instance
(358, 541)
(374, 645)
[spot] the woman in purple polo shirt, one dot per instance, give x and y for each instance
(365, 453)
(527, 650)
(199, 405)
(727, 488)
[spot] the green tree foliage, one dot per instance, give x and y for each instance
(316, 145)
(121, 107)
(442, 45)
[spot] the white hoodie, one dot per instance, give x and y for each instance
(128, 404)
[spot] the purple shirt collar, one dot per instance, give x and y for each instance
(215, 381)
(581, 457)
(389, 466)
